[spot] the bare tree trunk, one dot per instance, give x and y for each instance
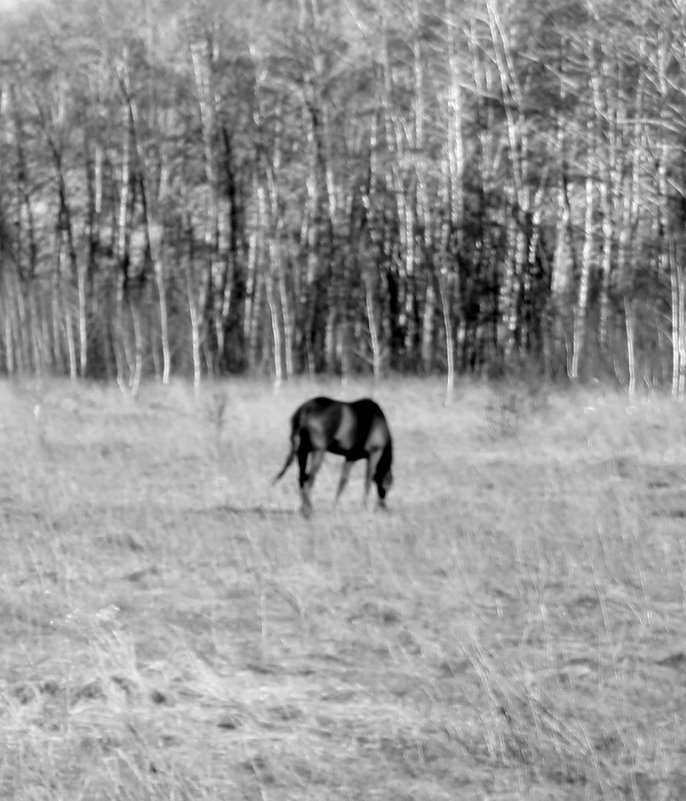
(428, 324)
(8, 314)
(81, 289)
(160, 282)
(122, 249)
(196, 295)
(274, 315)
(34, 331)
(253, 302)
(22, 334)
(93, 176)
(195, 316)
(610, 199)
(606, 108)
(373, 325)
(136, 374)
(581, 305)
(287, 321)
(56, 306)
(678, 290)
(630, 345)
(71, 342)
(563, 266)
(444, 290)
(456, 148)
(8, 305)
(61, 314)
(195, 339)
(155, 236)
(255, 323)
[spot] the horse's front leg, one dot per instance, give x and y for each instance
(372, 463)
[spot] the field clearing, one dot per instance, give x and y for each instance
(172, 628)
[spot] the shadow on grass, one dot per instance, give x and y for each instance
(258, 510)
(265, 512)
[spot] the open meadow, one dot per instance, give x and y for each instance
(172, 628)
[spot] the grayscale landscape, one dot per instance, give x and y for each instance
(212, 211)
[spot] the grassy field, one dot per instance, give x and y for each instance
(171, 628)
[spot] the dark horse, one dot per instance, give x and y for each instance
(355, 430)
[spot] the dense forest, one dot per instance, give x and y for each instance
(287, 186)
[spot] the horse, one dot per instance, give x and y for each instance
(356, 430)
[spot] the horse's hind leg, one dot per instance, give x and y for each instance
(303, 481)
(345, 472)
(315, 464)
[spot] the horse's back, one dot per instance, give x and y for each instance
(352, 429)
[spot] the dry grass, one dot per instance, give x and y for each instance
(171, 628)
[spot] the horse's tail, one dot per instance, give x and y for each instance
(295, 444)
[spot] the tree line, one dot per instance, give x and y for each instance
(283, 186)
